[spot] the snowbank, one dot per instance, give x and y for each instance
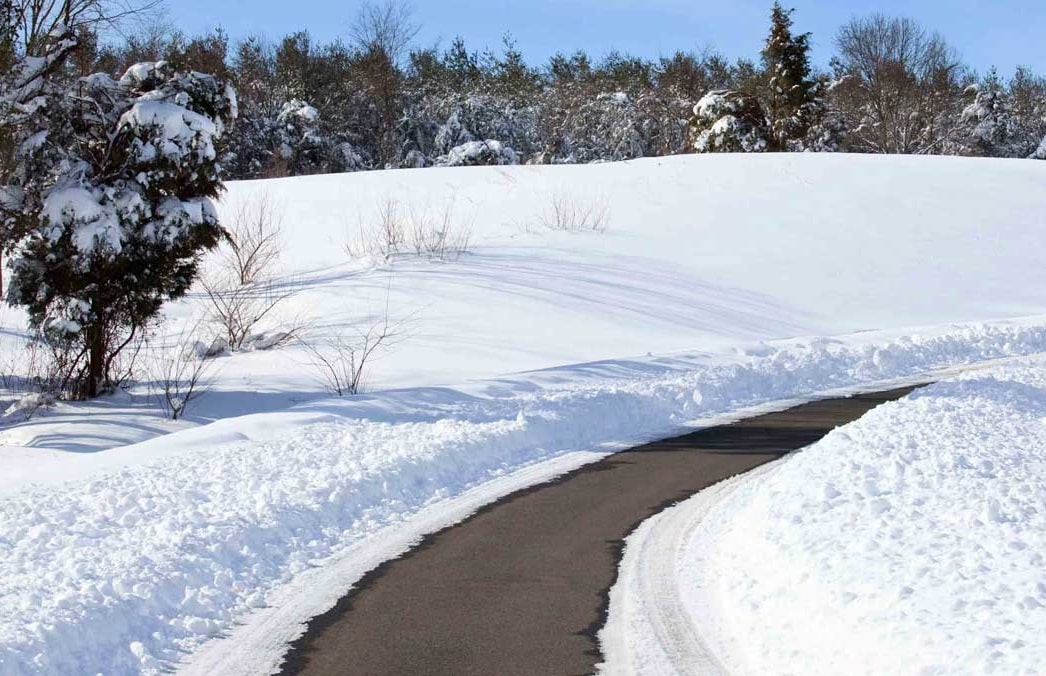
(127, 569)
(911, 541)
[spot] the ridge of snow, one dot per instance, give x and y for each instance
(909, 541)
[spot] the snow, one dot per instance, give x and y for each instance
(474, 152)
(910, 541)
(96, 224)
(1040, 153)
(183, 539)
(179, 129)
(745, 280)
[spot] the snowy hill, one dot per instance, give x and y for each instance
(691, 287)
(698, 252)
(690, 253)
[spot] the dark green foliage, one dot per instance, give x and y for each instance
(791, 97)
(108, 213)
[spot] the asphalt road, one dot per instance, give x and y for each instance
(521, 587)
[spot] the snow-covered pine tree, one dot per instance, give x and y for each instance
(1027, 96)
(727, 121)
(299, 142)
(988, 126)
(828, 133)
(792, 99)
(108, 210)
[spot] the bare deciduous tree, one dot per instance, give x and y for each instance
(388, 26)
(382, 33)
(899, 88)
(35, 20)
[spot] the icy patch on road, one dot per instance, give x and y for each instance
(912, 541)
(129, 569)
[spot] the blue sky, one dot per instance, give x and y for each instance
(1004, 33)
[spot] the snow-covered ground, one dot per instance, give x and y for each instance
(127, 542)
(911, 541)
(698, 253)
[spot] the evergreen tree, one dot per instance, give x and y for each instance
(988, 125)
(792, 97)
(108, 210)
(727, 121)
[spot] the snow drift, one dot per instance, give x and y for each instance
(910, 541)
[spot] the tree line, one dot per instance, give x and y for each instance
(377, 100)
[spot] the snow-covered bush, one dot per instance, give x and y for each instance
(728, 122)
(299, 144)
(107, 212)
(477, 153)
(26, 406)
(1040, 154)
(604, 126)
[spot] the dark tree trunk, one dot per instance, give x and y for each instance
(95, 335)
(95, 362)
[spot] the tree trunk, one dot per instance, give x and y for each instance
(95, 362)
(96, 349)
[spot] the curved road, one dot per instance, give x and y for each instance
(521, 586)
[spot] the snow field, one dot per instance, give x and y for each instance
(128, 569)
(127, 542)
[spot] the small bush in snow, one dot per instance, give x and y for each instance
(181, 374)
(567, 213)
(237, 309)
(419, 231)
(243, 288)
(253, 240)
(342, 357)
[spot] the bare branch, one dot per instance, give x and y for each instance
(342, 358)
(387, 27)
(182, 373)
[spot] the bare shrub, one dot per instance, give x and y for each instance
(52, 364)
(341, 358)
(422, 232)
(566, 213)
(254, 240)
(38, 374)
(238, 309)
(182, 373)
(243, 290)
(438, 235)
